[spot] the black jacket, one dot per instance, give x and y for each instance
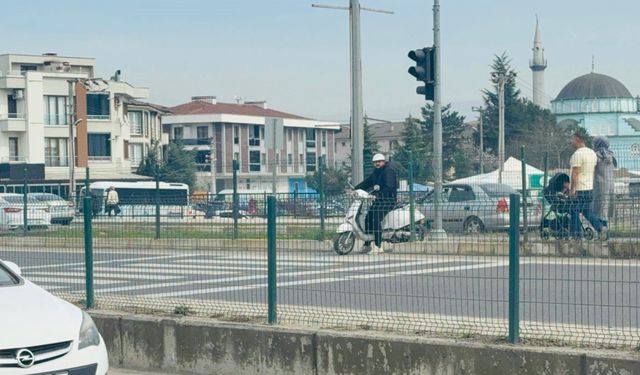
(385, 177)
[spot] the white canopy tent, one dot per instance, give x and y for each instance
(511, 175)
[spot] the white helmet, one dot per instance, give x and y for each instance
(378, 157)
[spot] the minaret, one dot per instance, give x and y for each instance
(538, 64)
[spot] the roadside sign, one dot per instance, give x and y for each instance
(269, 124)
(536, 181)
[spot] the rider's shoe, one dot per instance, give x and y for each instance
(376, 250)
(366, 249)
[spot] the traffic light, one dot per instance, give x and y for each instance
(424, 71)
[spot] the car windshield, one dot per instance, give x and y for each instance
(47, 197)
(6, 278)
(498, 190)
(17, 199)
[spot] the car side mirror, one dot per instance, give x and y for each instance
(14, 268)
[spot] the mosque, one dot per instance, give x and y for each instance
(600, 104)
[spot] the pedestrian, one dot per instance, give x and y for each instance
(603, 184)
(112, 202)
(385, 178)
(583, 165)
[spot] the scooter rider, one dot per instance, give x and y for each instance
(386, 178)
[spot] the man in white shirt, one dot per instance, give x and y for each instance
(583, 165)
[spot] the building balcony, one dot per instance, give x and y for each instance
(13, 122)
(98, 117)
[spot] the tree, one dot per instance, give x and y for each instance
(180, 165)
(152, 162)
(416, 145)
(369, 148)
(335, 181)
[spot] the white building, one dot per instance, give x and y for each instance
(238, 133)
(34, 118)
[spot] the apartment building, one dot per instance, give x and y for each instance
(112, 127)
(388, 136)
(236, 131)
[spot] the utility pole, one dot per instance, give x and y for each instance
(438, 232)
(70, 144)
(357, 113)
(501, 79)
(480, 110)
(212, 162)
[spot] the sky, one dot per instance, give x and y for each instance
(297, 57)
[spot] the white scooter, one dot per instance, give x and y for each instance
(395, 225)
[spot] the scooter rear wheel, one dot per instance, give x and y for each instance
(344, 242)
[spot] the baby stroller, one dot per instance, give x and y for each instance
(556, 221)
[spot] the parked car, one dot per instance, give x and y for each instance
(62, 212)
(12, 214)
(474, 208)
(42, 334)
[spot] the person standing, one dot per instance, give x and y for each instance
(583, 165)
(112, 202)
(385, 177)
(603, 184)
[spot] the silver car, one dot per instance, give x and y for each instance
(474, 208)
(62, 212)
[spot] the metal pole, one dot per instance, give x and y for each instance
(25, 219)
(545, 179)
(412, 218)
(322, 198)
(524, 195)
(71, 159)
(235, 198)
(357, 116)
(271, 261)
(481, 143)
(501, 127)
(514, 270)
(88, 241)
(438, 232)
(212, 162)
(157, 178)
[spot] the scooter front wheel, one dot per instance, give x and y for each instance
(344, 242)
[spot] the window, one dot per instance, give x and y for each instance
(27, 68)
(202, 133)
(236, 134)
(135, 154)
(301, 159)
(264, 158)
(311, 138)
(13, 149)
(100, 146)
(254, 161)
(311, 161)
(56, 152)
(12, 103)
(289, 159)
(254, 136)
(324, 138)
(98, 106)
(236, 156)
(135, 122)
(178, 132)
(289, 134)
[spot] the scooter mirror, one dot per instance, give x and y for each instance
(376, 187)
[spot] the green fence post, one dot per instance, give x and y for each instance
(412, 218)
(545, 178)
(514, 269)
(235, 207)
(272, 287)
(295, 200)
(322, 198)
(25, 219)
(157, 178)
(87, 210)
(524, 196)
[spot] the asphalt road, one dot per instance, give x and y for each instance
(586, 291)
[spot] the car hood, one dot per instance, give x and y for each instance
(31, 316)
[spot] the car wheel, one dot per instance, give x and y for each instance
(473, 224)
(344, 242)
(545, 234)
(589, 234)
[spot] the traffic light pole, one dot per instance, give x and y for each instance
(438, 232)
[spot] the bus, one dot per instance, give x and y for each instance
(139, 198)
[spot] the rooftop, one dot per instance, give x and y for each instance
(594, 85)
(199, 107)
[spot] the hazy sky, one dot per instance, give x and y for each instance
(297, 57)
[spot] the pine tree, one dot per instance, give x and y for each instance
(416, 145)
(180, 165)
(152, 162)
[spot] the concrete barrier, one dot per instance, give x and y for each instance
(205, 346)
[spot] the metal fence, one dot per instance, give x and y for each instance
(256, 258)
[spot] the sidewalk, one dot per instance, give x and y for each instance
(120, 371)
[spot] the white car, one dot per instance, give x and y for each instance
(42, 334)
(62, 212)
(12, 212)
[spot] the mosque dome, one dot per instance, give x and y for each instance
(594, 85)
